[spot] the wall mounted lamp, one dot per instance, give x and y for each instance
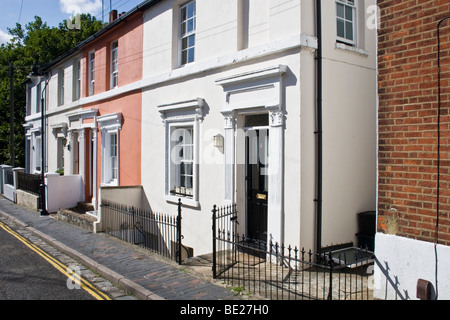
(218, 141)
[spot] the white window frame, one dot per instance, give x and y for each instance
(110, 126)
(37, 150)
(91, 73)
(187, 35)
(114, 64)
(177, 117)
(61, 86)
(181, 154)
(110, 158)
(77, 79)
(60, 153)
(350, 5)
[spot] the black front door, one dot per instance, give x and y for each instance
(257, 142)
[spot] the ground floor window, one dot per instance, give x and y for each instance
(110, 158)
(60, 154)
(182, 121)
(37, 150)
(110, 126)
(182, 161)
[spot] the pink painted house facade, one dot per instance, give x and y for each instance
(114, 61)
(93, 107)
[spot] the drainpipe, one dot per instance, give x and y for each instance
(318, 131)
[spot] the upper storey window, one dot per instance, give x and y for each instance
(77, 80)
(346, 21)
(60, 87)
(114, 64)
(91, 66)
(187, 32)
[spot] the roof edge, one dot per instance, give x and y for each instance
(140, 7)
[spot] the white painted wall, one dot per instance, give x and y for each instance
(401, 262)
(63, 191)
(349, 127)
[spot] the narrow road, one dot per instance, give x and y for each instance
(29, 273)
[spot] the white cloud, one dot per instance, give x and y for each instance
(4, 37)
(80, 6)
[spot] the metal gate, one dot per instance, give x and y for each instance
(224, 227)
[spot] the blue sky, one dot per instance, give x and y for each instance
(54, 11)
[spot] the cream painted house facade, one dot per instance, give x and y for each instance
(229, 109)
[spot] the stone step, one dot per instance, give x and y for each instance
(84, 207)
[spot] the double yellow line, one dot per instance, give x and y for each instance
(76, 278)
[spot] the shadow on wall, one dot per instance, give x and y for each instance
(425, 290)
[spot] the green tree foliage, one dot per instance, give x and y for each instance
(35, 45)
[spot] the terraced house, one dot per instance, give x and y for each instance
(266, 104)
(90, 112)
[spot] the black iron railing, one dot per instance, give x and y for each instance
(29, 182)
(160, 233)
(280, 272)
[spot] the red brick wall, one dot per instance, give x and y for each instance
(408, 115)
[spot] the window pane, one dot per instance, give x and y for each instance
(349, 30)
(257, 120)
(183, 14)
(187, 133)
(190, 55)
(114, 167)
(184, 43)
(191, 9)
(191, 41)
(190, 25)
(340, 10)
(188, 154)
(184, 57)
(188, 182)
(188, 168)
(349, 13)
(340, 28)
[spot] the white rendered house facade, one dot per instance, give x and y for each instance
(61, 90)
(229, 115)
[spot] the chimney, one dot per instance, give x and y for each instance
(112, 16)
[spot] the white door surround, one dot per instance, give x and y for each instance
(254, 92)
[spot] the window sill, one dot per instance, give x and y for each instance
(185, 201)
(109, 184)
(346, 47)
